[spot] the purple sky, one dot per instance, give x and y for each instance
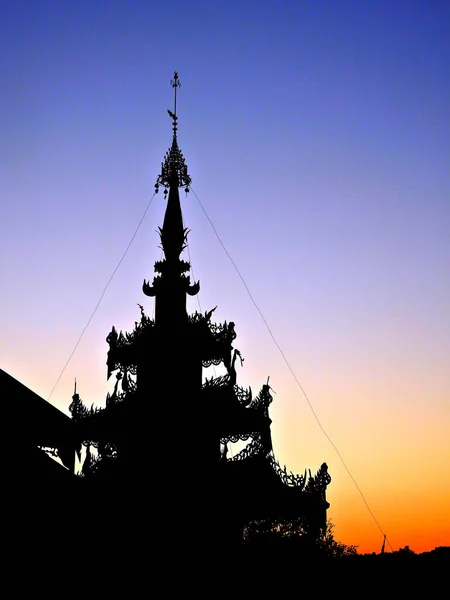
(317, 137)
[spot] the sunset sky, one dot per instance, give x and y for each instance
(317, 136)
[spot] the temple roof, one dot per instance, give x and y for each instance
(33, 418)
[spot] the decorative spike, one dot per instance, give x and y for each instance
(174, 169)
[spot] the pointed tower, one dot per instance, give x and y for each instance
(166, 430)
(171, 284)
(173, 371)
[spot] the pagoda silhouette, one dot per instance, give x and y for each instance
(155, 461)
(167, 428)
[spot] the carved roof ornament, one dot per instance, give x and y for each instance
(174, 168)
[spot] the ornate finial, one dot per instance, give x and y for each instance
(75, 396)
(173, 169)
(175, 83)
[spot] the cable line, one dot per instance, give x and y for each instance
(290, 368)
(101, 297)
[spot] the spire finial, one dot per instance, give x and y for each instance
(75, 396)
(173, 169)
(175, 83)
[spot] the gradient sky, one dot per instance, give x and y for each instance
(317, 135)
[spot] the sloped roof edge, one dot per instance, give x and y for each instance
(32, 418)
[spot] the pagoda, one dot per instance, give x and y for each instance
(162, 439)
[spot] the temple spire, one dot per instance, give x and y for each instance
(171, 285)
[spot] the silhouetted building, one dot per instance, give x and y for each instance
(155, 465)
(160, 445)
(40, 494)
(37, 429)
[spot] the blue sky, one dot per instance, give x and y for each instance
(317, 136)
